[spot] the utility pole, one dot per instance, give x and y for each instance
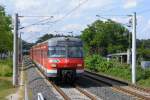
(134, 48)
(21, 47)
(15, 50)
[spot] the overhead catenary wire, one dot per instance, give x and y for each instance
(33, 16)
(32, 37)
(74, 9)
(115, 15)
(67, 14)
(46, 21)
(36, 22)
(113, 20)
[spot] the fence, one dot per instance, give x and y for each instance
(145, 64)
(6, 55)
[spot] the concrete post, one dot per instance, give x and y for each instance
(15, 35)
(134, 49)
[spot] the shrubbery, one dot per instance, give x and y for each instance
(97, 63)
(114, 68)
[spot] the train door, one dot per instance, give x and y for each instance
(32, 53)
(43, 57)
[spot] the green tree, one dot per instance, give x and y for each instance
(143, 48)
(6, 36)
(44, 38)
(105, 37)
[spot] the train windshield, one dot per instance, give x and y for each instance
(61, 52)
(75, 52)
(57, 52)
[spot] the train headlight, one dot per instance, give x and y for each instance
(53, 65)
(54, 61)
(79, 65)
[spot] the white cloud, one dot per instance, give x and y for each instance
(72, 27)
(148, 22)
(145, 31)
(88, 5)
(147, 26)
(121, 20)
(26, 4)
(31, 34)
(32, 29)
(130, 4)
(77, 20)
(97, 4)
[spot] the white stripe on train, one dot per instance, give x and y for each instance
(78, 71)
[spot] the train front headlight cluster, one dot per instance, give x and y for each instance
(54, 61)
(79, 65)
(53, 65)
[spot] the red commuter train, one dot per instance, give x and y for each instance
(60, 57)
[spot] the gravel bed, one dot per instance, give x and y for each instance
(102, 91)
(73, 93)
(36, 84)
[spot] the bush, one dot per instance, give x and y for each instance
(91, 62)
(97, 63)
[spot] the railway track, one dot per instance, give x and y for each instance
(73, 92)
(119, 85)
(120, 81)
(62, 93)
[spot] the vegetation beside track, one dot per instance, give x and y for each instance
(6, 67)
(99, 64)
(6, 87)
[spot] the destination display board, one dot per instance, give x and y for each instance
(69, 43)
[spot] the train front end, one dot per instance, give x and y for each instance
(65, 58)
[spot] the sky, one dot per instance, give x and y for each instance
(66, 16)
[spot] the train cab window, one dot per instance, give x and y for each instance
(57, 52)
(75, 52)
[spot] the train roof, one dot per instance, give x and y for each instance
(71, 41)
(62, 41)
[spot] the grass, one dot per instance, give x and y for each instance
(144, 83)
(6, 67)
(6, 87)
(123, 73)
(143, 77)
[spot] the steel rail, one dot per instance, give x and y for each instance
(63, 94)
(60, 91)
(55, 86)
(109, 78)
(115, 87)
(84, 92)
(119, 81)
(132, 93)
